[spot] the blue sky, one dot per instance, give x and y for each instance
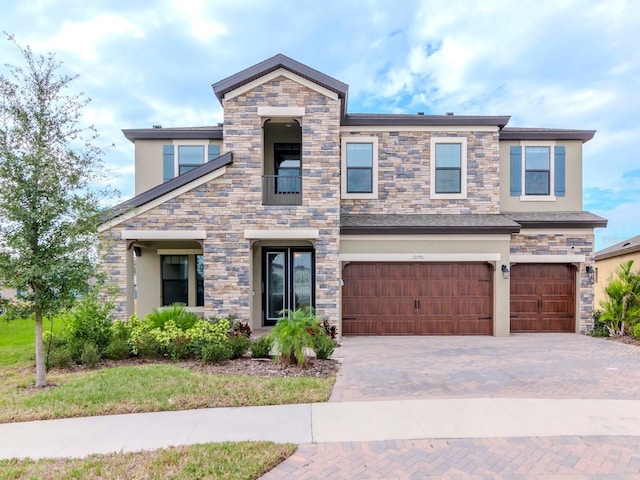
(559, 64)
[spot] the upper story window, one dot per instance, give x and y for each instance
(186, 155)
(448, 167)
(537, 171)
(359, 167)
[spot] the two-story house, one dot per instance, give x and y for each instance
(386, 224)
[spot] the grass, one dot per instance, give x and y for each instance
(232, 461)
(131, 389)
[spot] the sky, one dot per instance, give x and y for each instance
(546, 63)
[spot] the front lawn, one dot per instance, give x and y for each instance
(132, 388)
(223, 461)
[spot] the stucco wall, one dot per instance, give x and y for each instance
(606, 270)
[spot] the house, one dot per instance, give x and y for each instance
(386, 224)
(609, 259)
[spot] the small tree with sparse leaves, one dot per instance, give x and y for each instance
(50, 167)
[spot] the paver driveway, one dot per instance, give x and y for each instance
(522, 365)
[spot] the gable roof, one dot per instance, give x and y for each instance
(168, 187)
(632, 245)
(514, 133)
(274, 63)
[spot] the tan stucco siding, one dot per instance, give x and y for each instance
(572, 201)
(404, 174)
(606, 271)
(148, 161)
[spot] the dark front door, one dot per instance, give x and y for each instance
(288, 281)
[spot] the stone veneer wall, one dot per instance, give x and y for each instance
(404, 175)
(563, 244)
(231, 204)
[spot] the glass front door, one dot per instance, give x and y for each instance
(288, 281)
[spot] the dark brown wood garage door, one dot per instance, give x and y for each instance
(417, 299)
(543, 298)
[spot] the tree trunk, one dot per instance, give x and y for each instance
(41, 373)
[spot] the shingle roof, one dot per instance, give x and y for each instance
(514, 133)
(625, 247)
(271, 64)
(167, 187)
(366, 119)
(177, 133)
(425, 223)
(557, 219)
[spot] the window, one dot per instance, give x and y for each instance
(186, 156)
(537, 171)
(360, 167)
(176, 273)
(448, 167)
(287, 167)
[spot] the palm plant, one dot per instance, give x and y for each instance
(294, 333)
(621, 306)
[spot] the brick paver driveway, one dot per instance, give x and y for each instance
(531, 366)
(527, 366)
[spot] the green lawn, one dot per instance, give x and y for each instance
(127, 389)
(223, 461)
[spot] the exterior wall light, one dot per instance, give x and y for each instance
(591, 273)
(505, 272)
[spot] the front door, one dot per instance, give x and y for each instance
(288, 281)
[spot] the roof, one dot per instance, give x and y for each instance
(366, 119)
(169, 186)
(632, 245)
(274, 63)
(513, 133)
(365, 224)
(178, 133)
(557, 219)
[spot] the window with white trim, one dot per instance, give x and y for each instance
(185, 155)
(359, 167)
(448, 167)
(537, 171)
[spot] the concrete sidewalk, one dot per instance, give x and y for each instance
(323, 423)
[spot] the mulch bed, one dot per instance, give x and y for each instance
(628, 339)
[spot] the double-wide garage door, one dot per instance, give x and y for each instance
(417, 299)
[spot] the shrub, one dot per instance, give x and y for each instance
(621, 306)
(118, 349)
(331, 330)
(599, 327)
(90, 355)
(636, 331)
(261, 348)
(177, 313)
(58, 355)
(293, 333)
(239, 329)
(239, 346)
(179, 348)
(323, 345)
(215, 352)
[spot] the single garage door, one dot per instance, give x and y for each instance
(417, 299)
(543, 298)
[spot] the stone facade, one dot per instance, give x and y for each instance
(563, 244)
(404, 176)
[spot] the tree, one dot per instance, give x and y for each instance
(621, 306)
(49, 206)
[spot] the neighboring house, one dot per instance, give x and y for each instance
(386, 224)
(607, 261)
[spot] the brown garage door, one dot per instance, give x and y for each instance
(417, 299)
(543, 298)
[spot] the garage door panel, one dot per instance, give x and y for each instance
(419, 299)
(543, 298)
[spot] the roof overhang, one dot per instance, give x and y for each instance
(557, 219)
(390, 120)
(181, 133)
(509, 133)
